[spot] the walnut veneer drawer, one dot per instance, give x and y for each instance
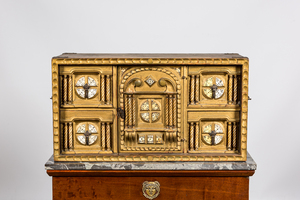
(127, 188)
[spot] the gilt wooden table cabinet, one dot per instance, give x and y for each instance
(150, 107)
(165, 126)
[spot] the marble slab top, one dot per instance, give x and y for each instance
(234, 165)
(150, 55)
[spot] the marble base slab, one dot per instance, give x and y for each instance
(234, 165)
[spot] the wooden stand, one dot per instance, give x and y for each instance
(177, 180)
(92, 184)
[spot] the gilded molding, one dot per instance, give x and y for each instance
(155, 61)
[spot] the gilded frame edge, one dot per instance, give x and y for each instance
(123, 61)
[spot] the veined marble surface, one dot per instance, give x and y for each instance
(234, 165)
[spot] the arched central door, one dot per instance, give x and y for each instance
(150, 98)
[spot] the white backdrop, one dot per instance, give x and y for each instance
(33, 31)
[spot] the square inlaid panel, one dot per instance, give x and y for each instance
(214, 85)
(86, 88)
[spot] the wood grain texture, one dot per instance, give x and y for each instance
(206, 188)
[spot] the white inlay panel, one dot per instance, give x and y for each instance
(81, 82)
(91, 82)
(92, 93)
(81, 129)
(92, 129)
(219, 93)
(81, 92)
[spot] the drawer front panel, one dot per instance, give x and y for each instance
(86, 86)
(86, 131)
(127, 188)
(213, 132)
(214, 86)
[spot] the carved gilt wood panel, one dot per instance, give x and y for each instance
(151, 99)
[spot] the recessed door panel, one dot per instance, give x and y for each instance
(150, 98)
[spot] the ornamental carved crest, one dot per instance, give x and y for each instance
(151, 189)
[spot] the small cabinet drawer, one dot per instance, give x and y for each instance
(213, 132)
(86, 86)
(216, 86)
(86, 131)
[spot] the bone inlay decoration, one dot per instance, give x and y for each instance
(218, 136)
(86, 136)
(86, 87)
(150, 116)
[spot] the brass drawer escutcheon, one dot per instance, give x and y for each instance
(151, 189)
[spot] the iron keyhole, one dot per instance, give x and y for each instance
(212, 135)
(214, 89)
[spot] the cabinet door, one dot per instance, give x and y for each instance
(151, 100)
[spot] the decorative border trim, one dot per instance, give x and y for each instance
(154, 61)
(152, 158)
(55, 105)
(123, 61)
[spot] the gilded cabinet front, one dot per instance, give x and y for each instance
(150, 110)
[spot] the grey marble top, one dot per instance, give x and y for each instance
(247, 165)
(149, 55)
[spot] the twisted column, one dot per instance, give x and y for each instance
(62, 142)
(108, 136)
(234, 136)
(192, 136)
(235, 89)
(108, 89)
(230, 89)
(126, 110)
(102, 88)
(62, 90)
(66, 136)
(197, 88)
(65, 89)
(70, 135)
(103, 136)
(192, 92)
(229, 136)
(170, 111)
(70, 90)
(167, 110)
(197, 136)
(130, 109)
(133, 111)
(174, 111)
